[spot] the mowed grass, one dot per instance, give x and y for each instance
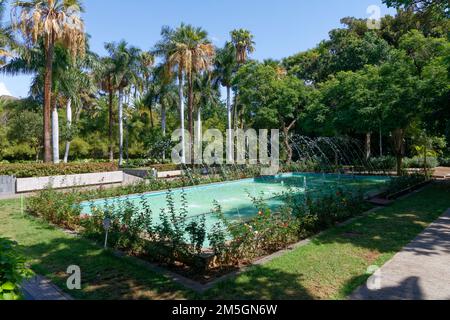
(335, 263)
(331, 267)
(104, 276)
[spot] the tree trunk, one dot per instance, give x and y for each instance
(381, 143)
(69, 126)
(199, 132)
(120, 127)
(230, 120)
(288, 146)
(181, 98)
(152, 125)
(48, 103)
(425, 160)
(191, 113)
(368, 145)
(111, 120)
(163, 125)
(286, 130)
(398, 136)
(55, 132)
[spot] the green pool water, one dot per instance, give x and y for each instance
(235, 197)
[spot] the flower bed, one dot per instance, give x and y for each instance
(178, 243)
(403, 185)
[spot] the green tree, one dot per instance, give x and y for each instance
(52, 22)
(225, 68)
(186, 50)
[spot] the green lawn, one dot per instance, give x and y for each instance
(331, 267)
(104, 276)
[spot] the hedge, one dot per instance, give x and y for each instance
(24, 170)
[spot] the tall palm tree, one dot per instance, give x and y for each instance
(242, 40)
(206, 94)
(77, 86)
(104, 76)
(53, 21)
(125, 68)
(186, 50)
(225, 68)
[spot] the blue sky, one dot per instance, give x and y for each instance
(281, 27)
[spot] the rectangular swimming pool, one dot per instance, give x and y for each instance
(235, 198)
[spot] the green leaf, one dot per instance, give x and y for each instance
(8, 286)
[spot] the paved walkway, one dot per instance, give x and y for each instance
(421, 271)
(40, 288)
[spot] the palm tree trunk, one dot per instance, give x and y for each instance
(152, 124)
(163, 125)
(181, 98)
(120, 127)
(191, 113)
(111, 120)
(368, 145)
(69, 126)
(55, 133)
(48, 103)
(398, 136)
(381, 143)
(230, 120)
(199, 136)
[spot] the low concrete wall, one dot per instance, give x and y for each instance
(170, 174)
(69, 181)
(7, 185)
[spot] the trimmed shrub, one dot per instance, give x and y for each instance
(444, 162)
(383, 163)
(13, 270)
(418, 162)
(27, 170)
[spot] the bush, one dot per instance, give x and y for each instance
(13, 270)
(444, 162)
(402, 183)
(27, 170)
(383, 163)
(418, 162)
(174, 239)
(55, 207)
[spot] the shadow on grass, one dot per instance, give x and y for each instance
(103, 275)
(261, 283)
(389, 231)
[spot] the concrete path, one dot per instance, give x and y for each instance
(421, 271)
(40, 288)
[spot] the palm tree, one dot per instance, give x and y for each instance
(186, 50)
(225, 67)
(77, 86)
(124, 73)
(206, 94)
(53, 21)
(242, 40)
(104, 76)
